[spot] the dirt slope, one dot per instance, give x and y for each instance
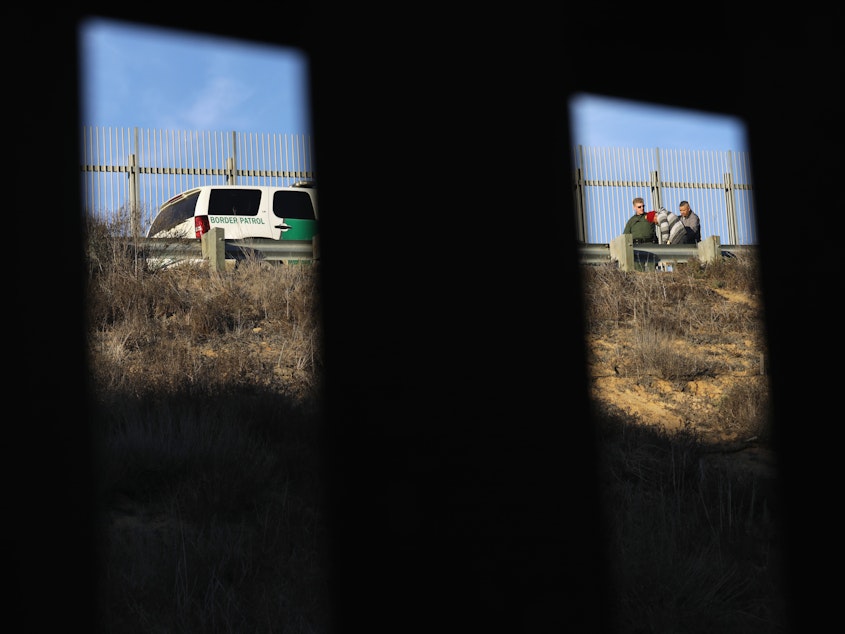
(616, 380)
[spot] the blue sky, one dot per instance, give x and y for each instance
(137, 76)
(600, 121)
(148, 77)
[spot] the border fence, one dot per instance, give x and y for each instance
(127, 173)
(716, 184)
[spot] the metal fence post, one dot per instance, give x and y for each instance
(232, 163)
(580, 214)
(730, 210)
(231, 176)
(135, 180)
(655, 191)
(134, 197)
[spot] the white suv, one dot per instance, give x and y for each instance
(243, 212)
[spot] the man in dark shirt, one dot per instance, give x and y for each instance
(691, 222)
(638, 225)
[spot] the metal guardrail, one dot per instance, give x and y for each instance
(284, 250)
(276, 250)
(599, 253)
(189, 249)
(594, 253)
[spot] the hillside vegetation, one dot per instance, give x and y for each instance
(677, 365)
(206, 404)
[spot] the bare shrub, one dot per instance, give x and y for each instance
(185, 326)
(671, 315)
(741, 272)
(206, 408)
(691, 549)
(605, 297)
(657, 352)
(105, 252)
(744, 408)
(614, 297)
(223, 306)
(215, 515)
(207, 415)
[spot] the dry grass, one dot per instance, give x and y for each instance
(693, 338)
(206, 393)
(205, 390)
(184, 327)
(693, 531)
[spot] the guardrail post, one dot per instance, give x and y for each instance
(214, 249)
(710, 249)
(622, 250)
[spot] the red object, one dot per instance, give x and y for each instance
(201, 225)
(649, 216)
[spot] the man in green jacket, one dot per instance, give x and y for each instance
(638, 225)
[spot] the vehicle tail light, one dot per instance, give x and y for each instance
(201, 225)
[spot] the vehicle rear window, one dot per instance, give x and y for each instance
(175, 213)
(231, 201)
(295, 205)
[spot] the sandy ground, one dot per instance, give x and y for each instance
(672, 405)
